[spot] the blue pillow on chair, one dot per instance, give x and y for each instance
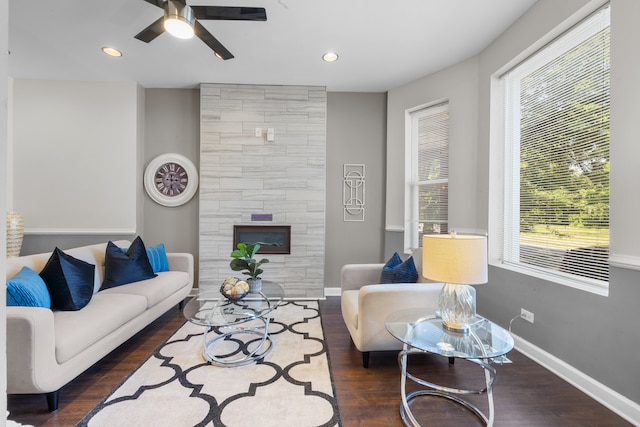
(398, 271)
(27, 289)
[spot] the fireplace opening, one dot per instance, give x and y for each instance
(273, 239)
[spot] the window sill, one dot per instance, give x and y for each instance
(624, 261)
(592, 286)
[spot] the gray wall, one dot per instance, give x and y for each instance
(169, 123)
(458, 85)
(172, 125)
(591, 333)
(597, 335)
(356, 126)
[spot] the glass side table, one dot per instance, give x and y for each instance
(421, 332)
(241, 327)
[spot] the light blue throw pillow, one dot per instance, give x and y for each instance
(158, 258)
(27, 289)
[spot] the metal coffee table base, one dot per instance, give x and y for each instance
(228, 349)
(442, 391)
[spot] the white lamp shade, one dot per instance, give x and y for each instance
(456, 259)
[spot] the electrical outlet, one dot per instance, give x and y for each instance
(526, 315)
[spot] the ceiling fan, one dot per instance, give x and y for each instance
(183, 19)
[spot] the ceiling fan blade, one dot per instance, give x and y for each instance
(212, 42)
(152, 31)
(159, 3)
(229, 13)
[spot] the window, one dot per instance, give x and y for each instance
(428, 178)
(556, 192)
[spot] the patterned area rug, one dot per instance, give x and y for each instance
(176, 386)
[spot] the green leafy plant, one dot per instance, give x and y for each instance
(244, 261)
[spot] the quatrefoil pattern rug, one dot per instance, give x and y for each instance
(176, 386)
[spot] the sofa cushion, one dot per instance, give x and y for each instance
(156, 290)
(69, 280)
(121, 268)
(27, 289)
(76, 331)
(405, 272)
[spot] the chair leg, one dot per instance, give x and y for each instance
(365, 359)
(52, 400)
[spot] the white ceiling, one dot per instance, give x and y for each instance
(382, 44)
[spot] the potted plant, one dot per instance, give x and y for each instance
(244, 261)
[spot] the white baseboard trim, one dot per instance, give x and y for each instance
(621, 405)
(332, 292)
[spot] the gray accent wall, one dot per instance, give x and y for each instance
(356, 127)
(172, 125)
(458, 85)
(597, 335)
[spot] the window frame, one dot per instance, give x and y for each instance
(412, 185)
(502, 179)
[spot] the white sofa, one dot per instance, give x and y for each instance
(46, 349)
(366, 303)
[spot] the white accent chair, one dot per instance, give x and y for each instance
(366, 304)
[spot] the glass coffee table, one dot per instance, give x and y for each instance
(421, 332)
(240, 328)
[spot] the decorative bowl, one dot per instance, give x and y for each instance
(234, 289)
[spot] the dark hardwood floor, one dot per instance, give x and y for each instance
(525, 394)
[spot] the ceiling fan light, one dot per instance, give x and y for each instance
(178, 19)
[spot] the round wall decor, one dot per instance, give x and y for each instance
(171, 179)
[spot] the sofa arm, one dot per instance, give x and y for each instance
(179, 261)
(377, 302)
(31, 351)
(355, 276)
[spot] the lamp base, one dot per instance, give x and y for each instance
(457, 307)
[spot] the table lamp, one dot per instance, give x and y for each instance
(458, 261)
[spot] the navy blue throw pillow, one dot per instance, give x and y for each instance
(121, 267)
(394, 261)
(69, 281)
(399, 272)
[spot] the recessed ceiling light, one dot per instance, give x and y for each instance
(111, 51)
(330, 56)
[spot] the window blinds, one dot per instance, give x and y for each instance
(557, 140)
(433, 169)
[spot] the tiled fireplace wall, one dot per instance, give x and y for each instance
(243, 174)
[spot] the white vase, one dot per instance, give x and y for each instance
(15, 233)
(255, 285)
